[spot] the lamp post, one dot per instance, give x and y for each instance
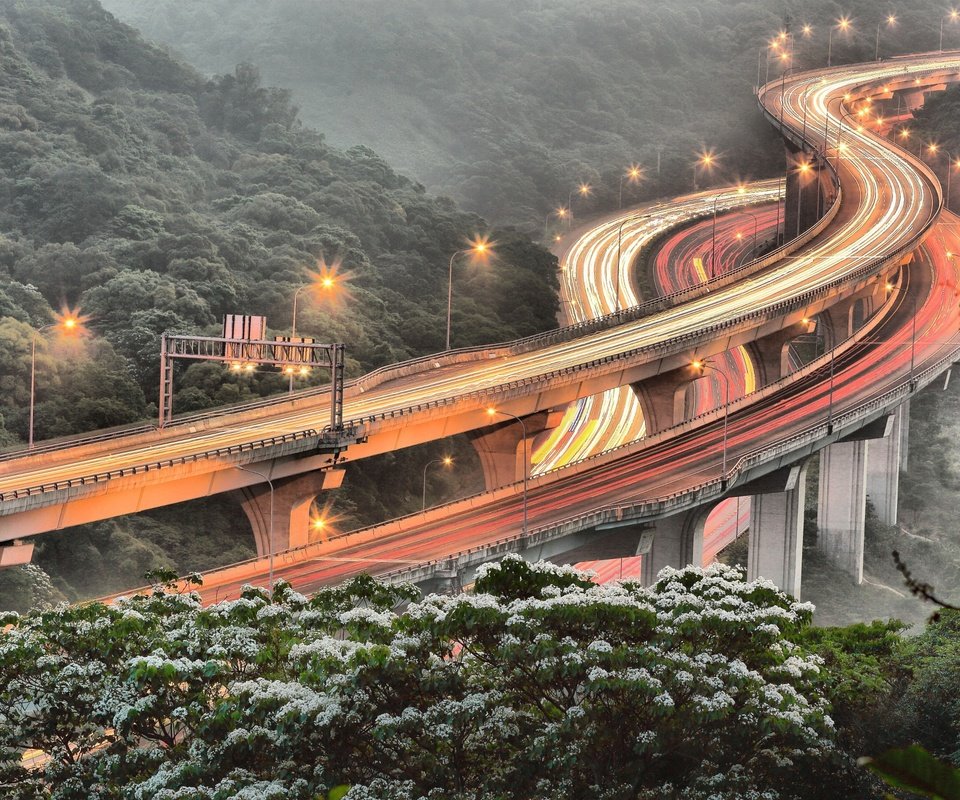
(68, 324)
(891, 22)
(479, 247)
(559, 213)
(446, 461)
(713, 236)
(270, 524)
(756, 221)
(843, 25)
(327, 282)
(492, 412)
(582, 189)
(701, 366)
(952, 15)
(802, 169)
(705, 160)
(913, 329)
(633, 175)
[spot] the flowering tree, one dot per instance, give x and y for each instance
(538, 684)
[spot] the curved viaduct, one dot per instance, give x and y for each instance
(882, 205)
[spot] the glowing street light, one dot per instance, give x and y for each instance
(582, 189)
(843, 25)
(560, 213)
(953, 15)
(492, 413)
(446, 461)
(741, 190)
(327, 282)
(706, 160)
(69, 323)
(479, 247)
(700, 366)
(633, 174)
(891, 23)
(803, 170)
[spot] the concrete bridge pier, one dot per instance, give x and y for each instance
(292, 498)
(843, 497)
(883, 469)
(771, 354)
(677, 542)
(776, 529)
(501, 449)
(663, 397)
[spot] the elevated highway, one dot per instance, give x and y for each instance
(884, 205)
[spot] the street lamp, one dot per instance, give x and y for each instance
(891, 23)
(560, 213)
(913, 329)
(327, 282)
(701, 366)
(582, 189)
(741, 189)
(953, 15)
(843, 25)
(479, 247)
(633, 174)
(706, 160)
(270, 525)
(446, 461)
(756, 221)
(67, 324)
(492, 412)
(803, 168)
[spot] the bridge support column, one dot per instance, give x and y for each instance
(842, 506)
(500, 446)
(771, 354)
(677, 542)
(883, 470)
(776, 535)
(662, 398)
(292, 498)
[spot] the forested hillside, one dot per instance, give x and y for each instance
(506, 104)
(151, 198)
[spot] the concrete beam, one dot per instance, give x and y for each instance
(623, 541)
(781, 480)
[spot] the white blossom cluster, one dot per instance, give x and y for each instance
(524, 691)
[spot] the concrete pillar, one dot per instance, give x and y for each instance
(842, 506)
(771, 354)
(883, 471)
(662, 398)
(500, 446)
(292, 498)
(905, 435)
(776, 536)
(677, 542)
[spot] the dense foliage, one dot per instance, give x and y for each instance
(538, 684)
(155, 199)
(506, 104)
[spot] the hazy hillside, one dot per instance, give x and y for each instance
(153, 199)
(505, 104)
